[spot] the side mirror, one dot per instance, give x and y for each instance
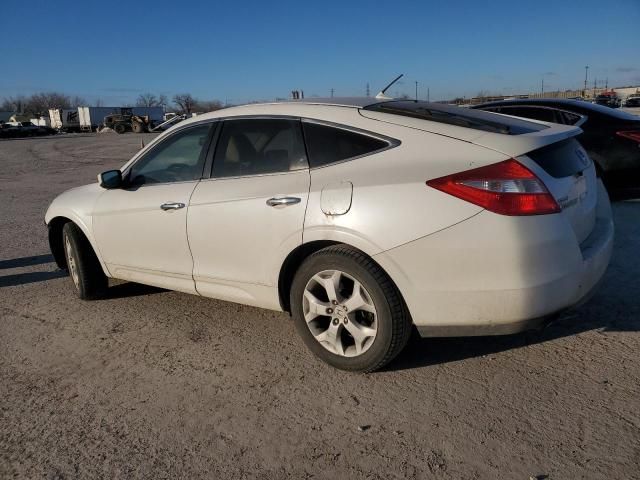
(110, 179)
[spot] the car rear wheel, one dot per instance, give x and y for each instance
(348, 311)
(84, 267)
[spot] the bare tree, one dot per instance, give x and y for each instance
(147, 100)
(39, 103)
(210, 105)
(151, 100)
(185, 102)
(14, 104)
(77, 101)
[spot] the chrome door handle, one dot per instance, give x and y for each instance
(172, 206)
(282, 201)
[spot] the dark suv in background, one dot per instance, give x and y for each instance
(611, 137)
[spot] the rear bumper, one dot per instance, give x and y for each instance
(494, 275)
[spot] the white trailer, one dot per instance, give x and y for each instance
(64, 118)
(92, 117)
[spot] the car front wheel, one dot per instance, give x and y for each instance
(348, 311)
(84, 267)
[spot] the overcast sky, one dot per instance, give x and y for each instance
(252, 50)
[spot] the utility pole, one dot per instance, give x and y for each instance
(416, 90)
(332, 93)
(427, 94)
(542, 89)
(586, 71)
(595, 85)
(368, 92)
(606, 84)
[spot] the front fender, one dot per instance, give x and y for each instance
(76, 205)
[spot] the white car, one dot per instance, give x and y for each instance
(361, 218)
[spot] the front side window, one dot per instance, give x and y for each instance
(328, 144)
(259, 146)
(179, 158)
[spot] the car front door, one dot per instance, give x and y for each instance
(141, 229)
(245, 219)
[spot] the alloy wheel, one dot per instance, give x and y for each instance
(340, 313)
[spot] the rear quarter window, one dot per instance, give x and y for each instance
(327, 144)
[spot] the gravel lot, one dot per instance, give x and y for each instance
(156, 384)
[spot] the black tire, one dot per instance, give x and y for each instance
(119, 128)
(393, 320)
(89, 280)
(137, 127)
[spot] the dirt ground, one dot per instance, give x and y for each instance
(156, 384)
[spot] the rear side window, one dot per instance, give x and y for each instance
(542, 114)
(327, 144)
(569, 118)
(545, 114)
(259, 146)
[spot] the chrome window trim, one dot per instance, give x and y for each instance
(255, 175)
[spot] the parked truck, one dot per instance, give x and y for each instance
(609, 99)
(92, 118)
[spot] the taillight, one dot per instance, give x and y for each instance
(507, 188)
(630, 134)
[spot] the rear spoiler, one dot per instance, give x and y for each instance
(512, 145)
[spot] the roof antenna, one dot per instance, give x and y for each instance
(381, 95)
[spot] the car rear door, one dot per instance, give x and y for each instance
(245, 219)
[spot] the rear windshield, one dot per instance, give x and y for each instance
(561, 159)
(461, 117)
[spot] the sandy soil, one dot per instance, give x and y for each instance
(156, 384)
